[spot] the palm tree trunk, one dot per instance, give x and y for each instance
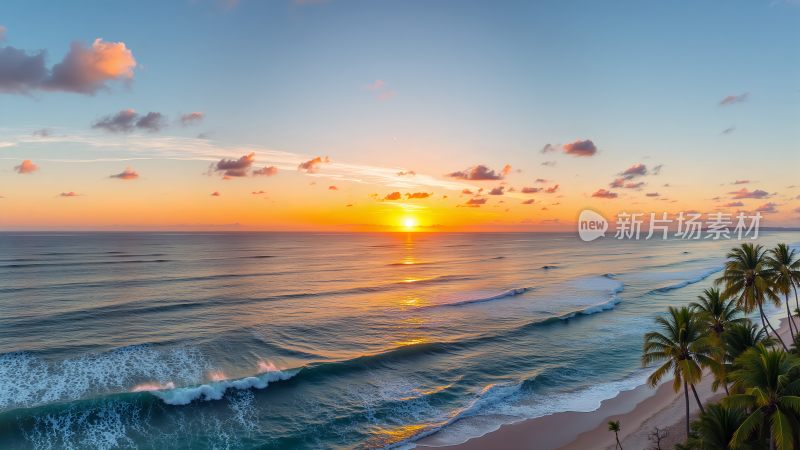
(767, 322)
(789, 316)
(700, 404)
(686, 397)
(796, 301)
(771, 439)
(618, 444)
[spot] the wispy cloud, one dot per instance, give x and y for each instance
(733, 99)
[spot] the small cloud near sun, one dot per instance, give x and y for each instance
(27, 167)
(127, 174)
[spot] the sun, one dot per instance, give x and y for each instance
(409, 223)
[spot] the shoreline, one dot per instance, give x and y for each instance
(639, 411)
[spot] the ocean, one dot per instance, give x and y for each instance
(329, 341)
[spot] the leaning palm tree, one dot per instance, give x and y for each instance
(715, 428)
(613, 425)
(718, 314)
(747, 279)
(682, 347)
(743, 336)
(785, 267)
(768, 380)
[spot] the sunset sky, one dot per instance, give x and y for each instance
(349, 115)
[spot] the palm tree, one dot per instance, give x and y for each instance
(743, 336)
(768, 381)
(716, 310)
(785, 267)
(613, 425)
(715, 427)
(682, 348)
(747, 278)
(718, 314)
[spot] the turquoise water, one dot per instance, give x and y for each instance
(284, 341)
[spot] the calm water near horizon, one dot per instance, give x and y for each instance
(292, 340)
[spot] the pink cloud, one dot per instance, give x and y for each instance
(530, 190)
(127, 174)
(529, 201)
(27, 167)
(733, 99)
(393, 196)
(312, 165)
(481, 173)
(381, 90)
(235, 167)
(551, 189)
(636, 170)
(68, 194)
(496, 191)
(215, 194)
(86, 70)
(266, 171)
(602, 193)
(192, 118)
(652, 194)
(580, 148)
(734, 204)
(768, 208)
(744, 193)
(333, 188)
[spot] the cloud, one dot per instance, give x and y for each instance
(235, 167)
(529, 201)
(580, 148)
(466, 191)
(729, 130)
(475, 202)
(215, 194)
(258, 192)
(192, 118)
(380, 89)
(602, 193)
(549, 163)
(734, 205)
(733, 99)
(636, 170)
(127, 174)
(741, 182)
(2, 33)
(411, 195)
(548, 148)
(617, 183)
(404, 173)
(266, 171)
(744, 193)
(652, 194)
(42, 132)
(333, 188)
(68, 194)
(657, 169)
(768, 208)
(84, 70)
(633, 185)
(530, 190)
(152, 122)
(128, 120)
(393, 196)
(312, 165)
(481, 173)
(27, 167)
(551, 189)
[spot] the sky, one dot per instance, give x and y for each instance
(348, 115)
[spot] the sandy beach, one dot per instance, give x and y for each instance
(639, 412)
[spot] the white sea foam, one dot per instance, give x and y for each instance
(27, 380)
(216, 390)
